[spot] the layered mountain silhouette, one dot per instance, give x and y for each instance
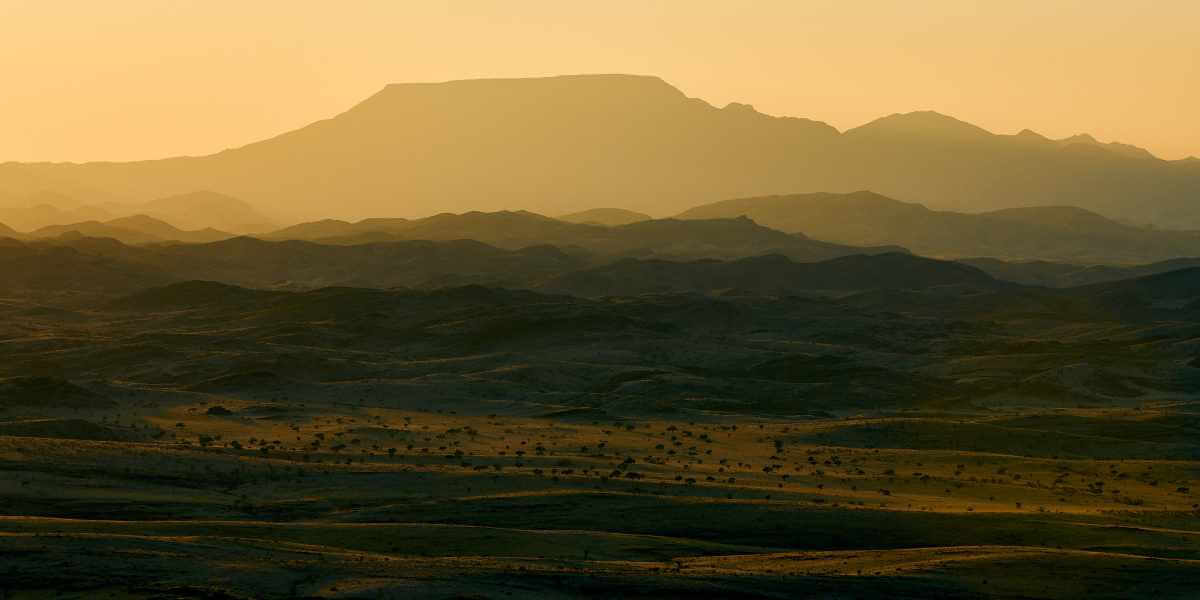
(664, 238)
(192, 211)
(137, 229)
(561, 144)
(1051, 233)
(103, 266)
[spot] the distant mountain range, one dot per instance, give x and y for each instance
(562, 144)
(1057, 233)
(661, 238)
(1054, 246)
(102, 266)
(137, 229)
(192, 211)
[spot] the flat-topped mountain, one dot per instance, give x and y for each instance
(562, 144)
(1056, 233)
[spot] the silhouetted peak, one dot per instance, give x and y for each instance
(1080, 138)
(1086, 140)
(1032, 135)
(921, 123)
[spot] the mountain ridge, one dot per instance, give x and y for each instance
(559, 144)
(863, 218)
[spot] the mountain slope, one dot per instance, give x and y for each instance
(560, 144)
(1049, 233)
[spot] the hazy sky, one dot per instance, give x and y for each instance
(129, 79)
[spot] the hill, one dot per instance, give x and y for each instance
(767, 276)
(606, 216)
(136, 229)
(1053, 274)
(560, 144)
(207, 210)
(663, 238)
(96, 229)
(105, 266)
(1054, 233)
(166, 231)
(40, 212)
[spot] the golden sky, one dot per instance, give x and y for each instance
(131, 79)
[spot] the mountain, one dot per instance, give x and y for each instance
(166, 231)
(36, 216)
(606, 216)
(560, 144)
(6, 231)
(1055, 233)
(193, 211)
(137, 229)
(663, 238)
(105, 266)
(60, 268)
(771, 275)
(1173, 295)
(96, 229)
(1064, 275)
(208, 210)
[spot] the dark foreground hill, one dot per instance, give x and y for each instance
(106, 267)
(564, 144)
(202, 440)
(1054, 274)
(771, 275)
(1062, 234)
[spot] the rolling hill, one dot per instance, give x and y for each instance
(561, 144)
(1056, 233)
(771, 275)
(136, 229)
(663, 238)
